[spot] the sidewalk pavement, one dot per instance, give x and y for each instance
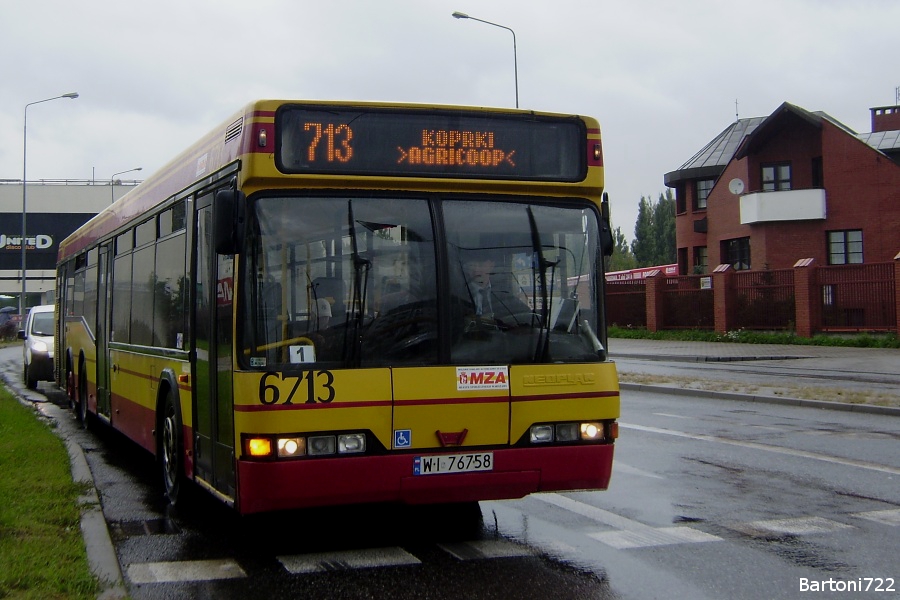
(792, 367)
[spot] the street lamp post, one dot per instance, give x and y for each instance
(460, 15)
(72, 96)
(112, 182)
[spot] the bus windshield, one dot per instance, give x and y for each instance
(352, 281)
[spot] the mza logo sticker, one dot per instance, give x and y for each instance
(482, 378)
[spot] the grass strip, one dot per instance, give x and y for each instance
(42, 552)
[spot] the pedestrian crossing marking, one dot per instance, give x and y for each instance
(795, 526)
(184, 571)
(486, 549)
(628, 533)
(885, 517)
(663, 536)
(347, 559)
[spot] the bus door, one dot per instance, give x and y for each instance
(102, 330)
(212, 368)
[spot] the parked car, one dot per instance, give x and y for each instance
(39, 341)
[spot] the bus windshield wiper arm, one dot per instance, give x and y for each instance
(542, 349)
(358, 292)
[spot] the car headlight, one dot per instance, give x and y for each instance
(39, 346)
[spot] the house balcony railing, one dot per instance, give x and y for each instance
(788, 205)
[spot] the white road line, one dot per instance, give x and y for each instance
(796, 526)
(629, 534)
(757, 446)
(663, 536)
(621, 467)
(482, 549)
(885, 517)
(185, 570)
(347, 559)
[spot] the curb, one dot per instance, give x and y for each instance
(780, 400)
(101, 553)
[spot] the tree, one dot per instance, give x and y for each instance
(654, 232)
(622, 259)
(663, 224)
(643, 246)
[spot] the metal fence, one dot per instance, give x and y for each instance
(686, 305)
(841, 298)
(857, 297)
(762, 300)
(626, 303)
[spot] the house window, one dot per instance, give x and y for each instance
(845, 247)
(776, 177)
(682, 260)
(700, 260)
(818, 173)
(702, 193)
(737, 253)
(679, 200)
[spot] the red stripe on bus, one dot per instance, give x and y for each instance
(310, 406)
(581, 396)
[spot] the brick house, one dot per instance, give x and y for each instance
(769, 191)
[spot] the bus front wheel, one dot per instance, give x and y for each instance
(171, 446)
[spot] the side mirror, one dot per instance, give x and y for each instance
(21, 334)
(607, 243)
(229, 209)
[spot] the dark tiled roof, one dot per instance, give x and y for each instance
(709, 162)
(715, 156)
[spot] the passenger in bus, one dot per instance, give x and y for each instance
(320, 313)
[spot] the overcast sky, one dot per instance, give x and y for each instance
(661, 76)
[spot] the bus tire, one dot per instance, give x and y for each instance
(171, 447)
(84, 417)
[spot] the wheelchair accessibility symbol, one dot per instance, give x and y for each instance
(402, 438)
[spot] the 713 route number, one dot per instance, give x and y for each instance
(319, 388)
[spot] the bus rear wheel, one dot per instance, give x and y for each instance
(171, 445)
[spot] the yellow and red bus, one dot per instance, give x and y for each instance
(330, 303)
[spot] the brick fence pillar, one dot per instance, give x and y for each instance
(654, 283)
(723, 315)
(897, 293)
(806, 300)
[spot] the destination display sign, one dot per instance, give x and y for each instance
(430, 144)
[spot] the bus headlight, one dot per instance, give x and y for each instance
(541, 434)
(292, 446)
(591, 431)
(351, 443)
(320, 444)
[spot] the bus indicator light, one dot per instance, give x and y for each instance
(259, 447)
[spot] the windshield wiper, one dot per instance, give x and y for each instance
(542, 349)
(358, 292)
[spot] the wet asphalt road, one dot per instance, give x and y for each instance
(709, 499)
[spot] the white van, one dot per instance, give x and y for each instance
(39, 341)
